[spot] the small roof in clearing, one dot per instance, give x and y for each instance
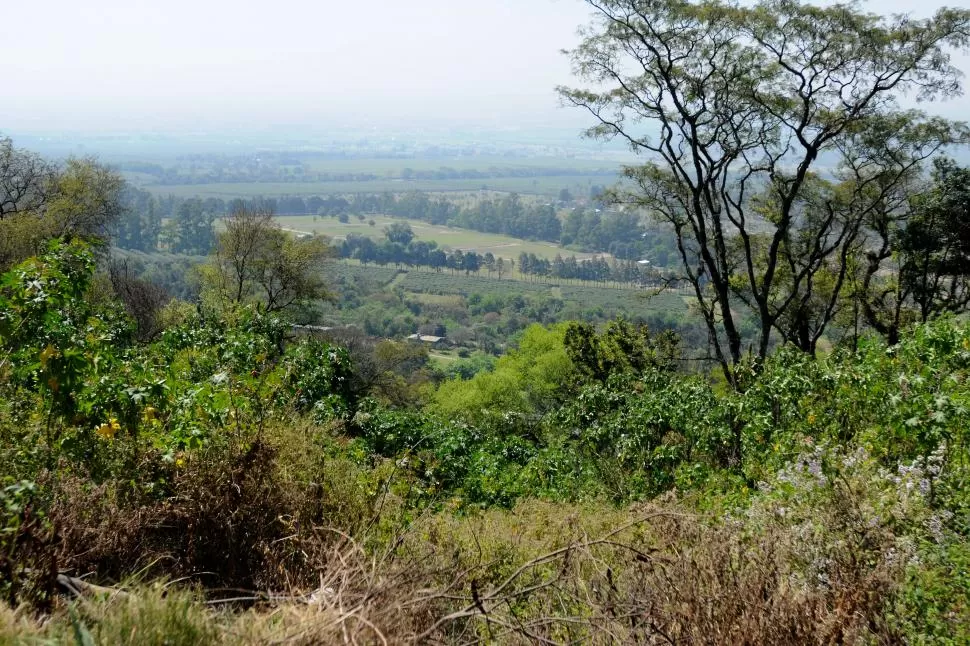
(427, 338)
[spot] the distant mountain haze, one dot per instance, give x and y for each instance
(107, 64)
(110, 65)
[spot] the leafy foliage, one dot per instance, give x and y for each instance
(256, 261)
(745, 102)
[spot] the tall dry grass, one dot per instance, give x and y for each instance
(662, 577)
(272, 541)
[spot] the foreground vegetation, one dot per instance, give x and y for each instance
(225, 484)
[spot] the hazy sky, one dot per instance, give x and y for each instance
(127, 64)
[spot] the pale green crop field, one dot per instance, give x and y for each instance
(447, 237)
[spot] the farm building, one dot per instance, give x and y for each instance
(431, 340)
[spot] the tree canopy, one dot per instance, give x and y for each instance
(256, 261)
(40, 200)
(774, 140)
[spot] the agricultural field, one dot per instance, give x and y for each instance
(447, 237)
(355, 272)
(448, 289)
(395, 166)
(628, 300)
(548, 186)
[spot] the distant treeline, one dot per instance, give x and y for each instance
(189, 222)
(265, 169)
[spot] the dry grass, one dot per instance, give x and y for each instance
(661, 577)
(276, 543)
(664, 577)
(255, 518)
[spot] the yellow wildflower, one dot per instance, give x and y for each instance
(46, 354)
(811, 418)
(109, 429)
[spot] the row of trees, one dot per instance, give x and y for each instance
(404, 251)
(597, 270)
(190, 222)
(777, 152)
(621, 234)
(148, 223)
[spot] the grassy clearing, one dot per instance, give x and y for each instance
(447, 237)
(443, 357)
(433, 299)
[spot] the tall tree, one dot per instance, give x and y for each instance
(256, 261)
(191, 230)
(399, 232)
(935, 244)
(739, 108)
(26, 179)
(40, 201)
(86, 200)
